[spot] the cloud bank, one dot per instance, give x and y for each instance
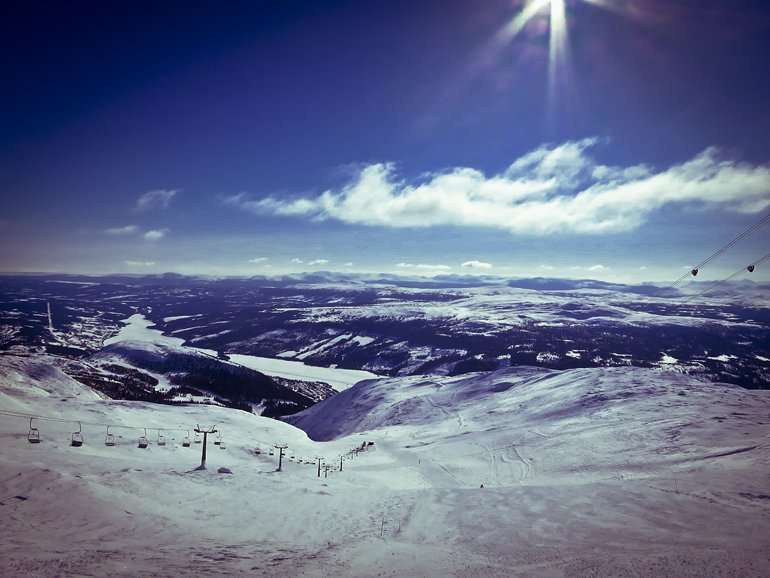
(553, 189)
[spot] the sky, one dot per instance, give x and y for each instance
(623, 140)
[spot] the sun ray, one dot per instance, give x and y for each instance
(520, 21)
(557, 52)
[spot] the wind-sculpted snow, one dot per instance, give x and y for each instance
(592, 472)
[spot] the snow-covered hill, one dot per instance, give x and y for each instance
(590, 472)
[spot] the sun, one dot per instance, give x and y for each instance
(556, 10)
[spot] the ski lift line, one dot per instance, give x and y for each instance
(750, 268)
(763, 221)
(92, 424)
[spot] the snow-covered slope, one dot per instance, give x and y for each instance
(585, 473)
(534, 425)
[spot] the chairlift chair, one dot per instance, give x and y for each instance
(197, 438)
(272, 453)
(186, 441)
(218, 441)
(34, 434)
(109, 439)
(143, 441)
(77, 437)
(222, 445)
(161, 439)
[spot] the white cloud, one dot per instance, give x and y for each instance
(554, 189)
(119, 231)
(155, 234)
(348, 264)
(643, 268)
(547, 267)
(592, 268)
(318, 262)
(297, 260)
(158, 199)
(423, 267)
(139, 263)
(257, 260)
(476, 265)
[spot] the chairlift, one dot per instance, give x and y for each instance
(695, 272)
(143, 442)
(109, 439)
(197, 438)
(34, 434)
(750, 268)
(272, 453)
(222, 445)
(218, 441)
(161, 439)
(186, 441)
(77, 437)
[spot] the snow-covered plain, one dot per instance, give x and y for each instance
(593, 472)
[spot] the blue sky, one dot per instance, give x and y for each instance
(272, 137)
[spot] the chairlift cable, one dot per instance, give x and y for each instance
(93, 424)
(750, 268)
(746, 232)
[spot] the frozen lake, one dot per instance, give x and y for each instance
(138, 328)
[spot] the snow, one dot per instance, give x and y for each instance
(762, 358)
(322, 345)
(723, 358)
(339, 379)
(139, 330)
(590, 472)
(666, 359)
(177, 317)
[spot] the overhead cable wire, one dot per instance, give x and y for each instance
(745, 233)
(85, 423)
(750, 269)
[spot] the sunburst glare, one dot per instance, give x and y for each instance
(556, 12)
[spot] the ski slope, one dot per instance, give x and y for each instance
(586, 473)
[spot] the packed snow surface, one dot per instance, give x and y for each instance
(591, 472)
